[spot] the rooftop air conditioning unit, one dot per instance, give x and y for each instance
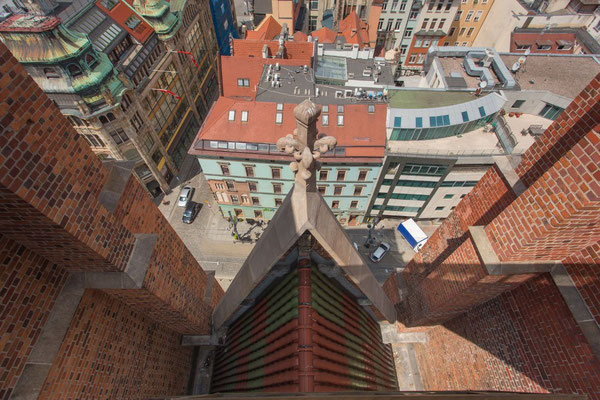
(277, 67)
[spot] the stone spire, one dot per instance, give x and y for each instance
(302, 141)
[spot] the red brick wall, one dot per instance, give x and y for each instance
(29, 286)
(525, 340)
(50, 180)
(584, 269)
(111, 351)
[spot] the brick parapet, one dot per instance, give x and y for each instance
(584, 268)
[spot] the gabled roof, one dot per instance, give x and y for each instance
(300, 36)
(268, 29)
(300, 51)
(363, 133)
(301, 212)
(325, 35)
(354, 30)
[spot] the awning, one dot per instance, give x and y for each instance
(544, 42)
(565, 42)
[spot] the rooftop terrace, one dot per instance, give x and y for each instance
(410, 99)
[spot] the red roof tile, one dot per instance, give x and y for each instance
(300, 36)
(363, 134)
(268, 29)
(325, 35)
(301, 51)
(354, 30)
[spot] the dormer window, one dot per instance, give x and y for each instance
(74, 70)
(231, 116)
(51, 73)
(91, 60)
(132, 22)
(244, 82)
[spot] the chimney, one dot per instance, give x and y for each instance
(265, 51)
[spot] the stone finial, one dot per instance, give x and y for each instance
(305, 146)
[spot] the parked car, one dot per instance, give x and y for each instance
(379, 252)
(190, 212)
(185, 196)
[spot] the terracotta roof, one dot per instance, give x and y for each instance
(301, 51)
(300, 36)
(363, 134)
(354, 30)
(244, 67)
(325, 35)
(268, 29)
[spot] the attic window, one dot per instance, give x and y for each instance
(325, 109)
(244, 116)
(243, 82)
(340, 109)
(132, 22)
(91, 60)
(51, 73)
(278, 118)
(231, 115)
(74, 70)
(108, 4)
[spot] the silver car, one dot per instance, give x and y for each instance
(185, 196)
(379, 252)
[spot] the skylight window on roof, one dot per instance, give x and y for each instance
(325, 120)
(340, 109)
(371, 108)
(482, 111)
(244, 116)
(278, 118)
(108, 4)
(231, 115)
(325, 109)
(340, 120)
(279, 106)
(132, 22)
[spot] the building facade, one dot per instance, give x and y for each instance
(120, 82)
(396, 25)
(225, 23)
(467, 22)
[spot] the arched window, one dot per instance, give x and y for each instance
(103, 120)
(110, 116)
(91, 60)
(74, 70)
(51, 73)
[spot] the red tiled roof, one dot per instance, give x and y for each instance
(300, 36)
(268, 29)
(354, 30)
(363, 134)
(325, 35)
(240, 67)
(301, 51)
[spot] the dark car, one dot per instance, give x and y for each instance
(191, 211)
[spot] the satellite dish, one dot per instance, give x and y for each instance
(483, 84)
(516, 67)
(522, 60)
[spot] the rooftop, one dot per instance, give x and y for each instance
(268, 29)
(302, 51)
(410, 99)
(455, 75)
(549, 72)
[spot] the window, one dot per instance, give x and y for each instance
(462, 196)
(277, 188)
(340, 120)
(470, 31)
(544, 46)
(482, 111)
(312, 23)
(323, 174)
(243, 82)
(109, 4)
(446, 43)
(314, 4)
(51, 73)
(477, 16)
(231, 115)
(431, 5)
(354, 204)
(408, 32)
(335, 204)
(322, 190)
(91, 60)
(448, 6)
(341, 175)
(448, 196)
(325, 120)
(426, 42)
(132, 22)
(458, 15)
(325, 109)
(419, 122)
(389, 25)
(244, 116)
(440, 208)
(119, 136)
(220, 186)
(464, 1)
(278, 118)
(225, 169)
(249, 170)
(464, 44)
(564, 46)
(398, 23)
(469, 15)
(425, 23)
(380, 24)
(551, 111)
(278, 202)
(418, 42)
(413, 15)
(523, 46)
(465, 116)
(412, 59)
(234, 199)
(276, 173)
(403, 49)
(420, 59)
(358, 190)
(340, 109)
(434, 42)
(439, 6)
(252, 186)
(230, 186)
(337, 190)
(74, 70)
(258, 214)
(245, 199)
(403, 6)
(462, 31)
(518, 104)
(362, 175)
(442, 22)
(433, 22)
(279, 106)
(394, 5)
(371, 108)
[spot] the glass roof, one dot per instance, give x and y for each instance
(329, 67)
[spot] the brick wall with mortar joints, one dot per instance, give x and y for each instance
(523, 340)
(470, 211)
(558, 214)
(584, 269)
(173, 275)
(29, 285)
(44, 162)
(582, 115)
(111, 351)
